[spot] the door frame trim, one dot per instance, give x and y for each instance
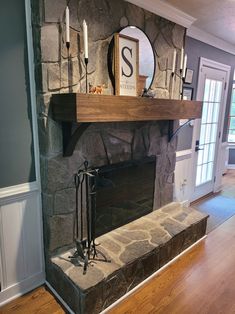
(30, 50)
(204, 62)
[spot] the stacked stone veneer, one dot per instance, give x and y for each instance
(60, 72)
(102, 144)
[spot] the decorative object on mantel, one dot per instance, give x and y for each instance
(187, 93)
(183, 64)
(188, 76)
(126, 65)
(84, 236)
(87, 108)
(173, 67)
(67, 27)
(85, 37)
(181, 60)
(146, 57)
(146, 67)
(96, 89)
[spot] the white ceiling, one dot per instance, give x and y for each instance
(216, 17)
(210, 21)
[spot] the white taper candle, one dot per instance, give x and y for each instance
(185, 65)
(85, 36)
(181, 59)
(173, 61)
(67, 25)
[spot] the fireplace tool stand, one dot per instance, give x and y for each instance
(86, 248)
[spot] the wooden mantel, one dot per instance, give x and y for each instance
(87, 108)
(106, 108)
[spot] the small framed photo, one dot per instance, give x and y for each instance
(126, 65)
(188, 76)
(187, 93)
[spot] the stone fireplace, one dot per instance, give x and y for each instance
(149, 230)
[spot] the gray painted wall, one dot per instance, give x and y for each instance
(16, 141)
(196, 49)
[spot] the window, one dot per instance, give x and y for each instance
(231, 122)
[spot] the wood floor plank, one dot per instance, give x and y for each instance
(39, 301)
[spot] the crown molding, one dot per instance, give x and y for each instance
(165, 10)
(197, 33)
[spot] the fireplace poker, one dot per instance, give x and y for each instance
(77, 183)
(87, 209)
(79, 242)
(81, 212)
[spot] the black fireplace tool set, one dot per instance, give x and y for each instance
(85, 219)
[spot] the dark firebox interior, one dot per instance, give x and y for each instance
(125, 192)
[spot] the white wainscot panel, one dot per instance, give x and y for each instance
(182, 190)
(20, 245)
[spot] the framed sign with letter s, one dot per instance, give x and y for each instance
(126, 65)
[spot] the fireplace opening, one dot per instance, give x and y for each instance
(124, 192)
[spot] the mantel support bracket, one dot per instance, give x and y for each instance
(171, 133)
(71, 137)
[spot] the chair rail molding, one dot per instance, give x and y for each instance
(16, 191)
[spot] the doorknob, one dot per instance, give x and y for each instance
(197, 148)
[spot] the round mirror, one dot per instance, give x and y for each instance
(146, 56)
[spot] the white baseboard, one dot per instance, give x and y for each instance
(21, 288)
(231, 166)
(151, 277)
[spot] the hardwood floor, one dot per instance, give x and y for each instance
(39, 301)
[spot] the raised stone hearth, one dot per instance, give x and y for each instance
(136, 250)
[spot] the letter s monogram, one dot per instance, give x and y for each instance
(127, 61)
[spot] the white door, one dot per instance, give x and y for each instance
(207, 131)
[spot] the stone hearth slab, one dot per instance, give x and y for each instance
(135, 250)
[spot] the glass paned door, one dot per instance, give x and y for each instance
(211, 90)
(209, 130)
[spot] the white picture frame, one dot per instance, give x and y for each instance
(126, 65)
